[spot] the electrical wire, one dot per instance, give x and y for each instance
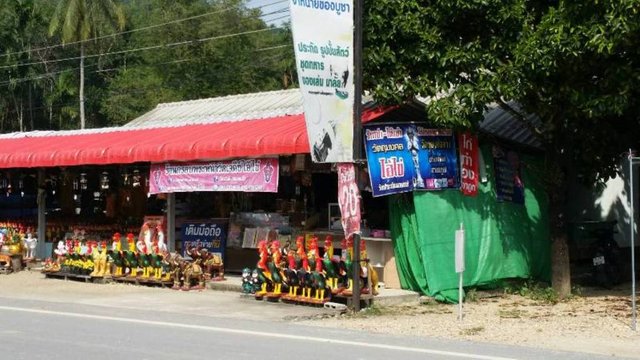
(146, 48)
(186, 42)
(133, 30)
(130, 92)
(44, 76)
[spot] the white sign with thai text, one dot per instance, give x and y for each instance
(323, 44)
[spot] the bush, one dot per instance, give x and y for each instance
(534, 291)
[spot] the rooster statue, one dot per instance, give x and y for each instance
(347, 265)
(156, 259)
(275, 267)
(330, 265)
(263, 268)
(291, 274)
(131, 257)
(304, 271)
(105, 265)
(144, 257)
(117, 255)
(319, 282)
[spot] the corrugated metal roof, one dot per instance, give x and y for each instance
(502, 124)
(497, 122)
(223, 109)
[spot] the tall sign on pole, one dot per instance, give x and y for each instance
(327, 37)
(357, 135)
(324, 48)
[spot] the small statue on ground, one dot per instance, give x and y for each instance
(30, 244)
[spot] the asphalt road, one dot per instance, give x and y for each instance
(36, 329)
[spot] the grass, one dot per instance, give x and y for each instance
(472, 331)
(471, 296)
(511, 313)
(534, 291)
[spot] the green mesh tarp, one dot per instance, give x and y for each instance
(503, 239)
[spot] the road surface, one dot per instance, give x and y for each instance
(40, 329)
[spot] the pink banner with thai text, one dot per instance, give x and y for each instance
(349, 199)
(244, 175)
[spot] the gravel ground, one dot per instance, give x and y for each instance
(595, 322)
(598, 321)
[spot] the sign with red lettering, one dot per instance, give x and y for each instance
(468, 145)
(349, 199)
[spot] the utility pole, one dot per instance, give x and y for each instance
(357, 136)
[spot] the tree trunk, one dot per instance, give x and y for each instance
(21, 117)
(82, 120)
(31, 108)
(560, 266)
(19, 113)
(557, 191)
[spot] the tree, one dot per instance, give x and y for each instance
(575, 64)
(80, 20)
(222, 64)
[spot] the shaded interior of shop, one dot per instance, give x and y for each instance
(102, 200)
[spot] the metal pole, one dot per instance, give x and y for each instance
(41, 197)
(633, 255)
(460, 296)
(357, 135)
(171, 221)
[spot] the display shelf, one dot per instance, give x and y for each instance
(77, 277)
(369, 238)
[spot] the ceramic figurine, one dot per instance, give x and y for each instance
(347, 265)
(275, 267)
(162, 245)
(117, 255)
(131, 256)
(247, 286)
(367, 271)
(255, 281)
(263, 267)
(30, 244)
(330, 266)
(60, 250)
(291, 275)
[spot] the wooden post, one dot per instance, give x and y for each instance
(41, 196)
(357, 135)
(171, 221)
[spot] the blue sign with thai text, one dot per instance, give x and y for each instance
(210, 235)
(403, 157)
(509, 185)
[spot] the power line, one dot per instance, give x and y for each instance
(132, 30)
(186, 42)
(44, 76)
(145, 48)
(136, 91)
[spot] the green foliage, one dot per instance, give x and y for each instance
(127, 82)
(146, 86)
(84, 19)
(534, 291)
(576, 64)
(573, 63)
(471, 296)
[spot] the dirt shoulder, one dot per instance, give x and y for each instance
(596, 322)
